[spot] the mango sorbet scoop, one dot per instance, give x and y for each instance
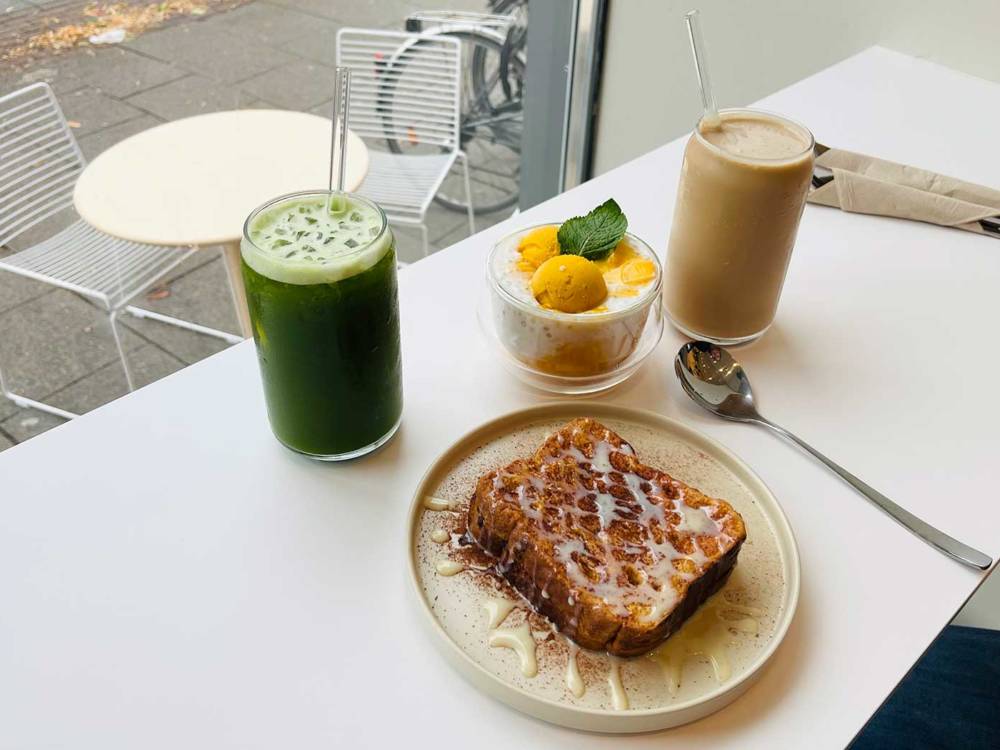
(569, 283)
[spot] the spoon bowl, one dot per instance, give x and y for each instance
(715, 381)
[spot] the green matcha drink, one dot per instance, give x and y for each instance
(321, 288)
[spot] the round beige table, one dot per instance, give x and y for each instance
(193, 182)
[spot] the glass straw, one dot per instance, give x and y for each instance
(710, 117)
(338, 144)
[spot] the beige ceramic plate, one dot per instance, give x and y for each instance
(765, 584)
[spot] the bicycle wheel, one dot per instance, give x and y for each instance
(491, 125)
(514, 43)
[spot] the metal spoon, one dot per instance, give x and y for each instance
(717, 382)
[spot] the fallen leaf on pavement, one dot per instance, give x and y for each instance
(109, 18)
(161, 292)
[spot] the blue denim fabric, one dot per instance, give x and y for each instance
(950, 699)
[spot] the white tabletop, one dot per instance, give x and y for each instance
(172, 577)
(195, 181)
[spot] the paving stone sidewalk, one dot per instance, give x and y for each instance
(55, 345)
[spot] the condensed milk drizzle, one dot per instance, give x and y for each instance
(708, 634)
(521, 642)
(619, 698)
(449, 567)
(574, 681)
(437, 503)
(497, 611)
(440, 536)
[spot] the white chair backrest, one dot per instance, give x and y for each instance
(39, 159)
(461, 20)
(404, 87)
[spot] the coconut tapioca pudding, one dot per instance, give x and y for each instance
(572, 314)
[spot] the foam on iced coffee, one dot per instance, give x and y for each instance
(755, 136)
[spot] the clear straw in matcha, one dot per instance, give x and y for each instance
(338, 138)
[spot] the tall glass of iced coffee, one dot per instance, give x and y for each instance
(742, 189)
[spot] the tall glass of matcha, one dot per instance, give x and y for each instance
(320, 277)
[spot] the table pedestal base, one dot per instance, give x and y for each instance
(231, 255)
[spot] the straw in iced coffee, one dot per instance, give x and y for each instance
(710, 118)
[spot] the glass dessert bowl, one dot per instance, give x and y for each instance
(610, 322)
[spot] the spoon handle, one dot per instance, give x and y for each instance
(937, 539)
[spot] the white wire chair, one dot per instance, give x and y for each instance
(406, 93)
(40, 162)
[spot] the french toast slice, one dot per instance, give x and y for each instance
(615, 553)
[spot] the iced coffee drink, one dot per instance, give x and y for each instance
(742, 189)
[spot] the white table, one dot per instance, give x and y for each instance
(194, 181)
(172, 577)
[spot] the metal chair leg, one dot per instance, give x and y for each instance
(139, 312)
(113, 318)
(468, 193)
(29, 403)
(427, 243)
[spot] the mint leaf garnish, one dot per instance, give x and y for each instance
(595, 235)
